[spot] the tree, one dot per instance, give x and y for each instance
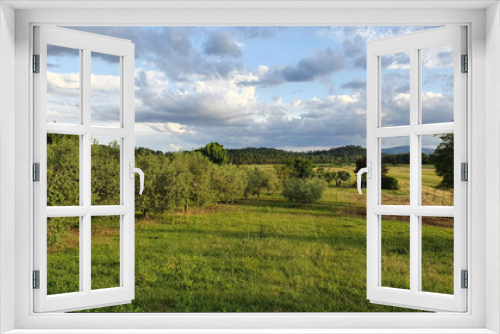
(199, 171)
(337, 177)
(259, 180)
(330, 176)
(228, 183)
(343, 176)
(283, 172)
(215, 152)
(302, 168)
(443, 160)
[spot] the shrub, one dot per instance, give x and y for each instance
(228, 183)
(303, 190)
(390, 183)
(259, 180)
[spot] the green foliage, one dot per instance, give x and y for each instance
(301, 168)
(443, 160)
(215, 152)
(229, 183)
(283, 172)
(389, 183)
(259, 180)
(199, 171)
(402, 158)
(105, 173)
(264, 155)
(343, 176)
(303, 190)
(63, 170)
(330, 176)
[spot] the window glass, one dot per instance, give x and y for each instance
(63, 170)
(63, 85)
(105, 176)
(63, 255)
(395, 170)
(105, 252)
(437, 84)
(395, 89)
(437, 254)
(105, 90)
(395, 251)
(438, 169)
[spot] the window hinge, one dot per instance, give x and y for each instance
(465, 64)
(36, 279)
(465, 279)
(464, 167)
(36, 63)
(36, 172)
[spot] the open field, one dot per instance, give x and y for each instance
(263, 254)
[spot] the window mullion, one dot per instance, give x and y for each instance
(85, 273)
(414, 184)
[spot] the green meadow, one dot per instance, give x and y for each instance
(264, 254)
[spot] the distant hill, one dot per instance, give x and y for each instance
(343, 154)
(405, 149)
(264, 155)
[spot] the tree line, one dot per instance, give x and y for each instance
(173, 181)
(202, 177)
(264, 155)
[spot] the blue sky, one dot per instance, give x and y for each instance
(297, 88)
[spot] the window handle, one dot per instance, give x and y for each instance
(368, 172)
(134, 170)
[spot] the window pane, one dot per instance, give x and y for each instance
(63, 85)
(395, 253)
(437, 84)
(105, 258)
(395, 171)
(105, 90)
(437, 169)
(63, 170)
(437, 254)
(395, 89)
(105, 171)
(63, 255)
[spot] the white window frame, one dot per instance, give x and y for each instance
(484, 266)
(86, 297)
(413, 43)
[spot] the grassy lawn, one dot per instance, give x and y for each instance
(261, 255)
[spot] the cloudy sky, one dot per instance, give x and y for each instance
(296, 88)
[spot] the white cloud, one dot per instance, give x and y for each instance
(173, 147)
(171, 127)
(105, 83)
(64, 81)
(437, 57)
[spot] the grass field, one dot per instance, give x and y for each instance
(263, 255)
